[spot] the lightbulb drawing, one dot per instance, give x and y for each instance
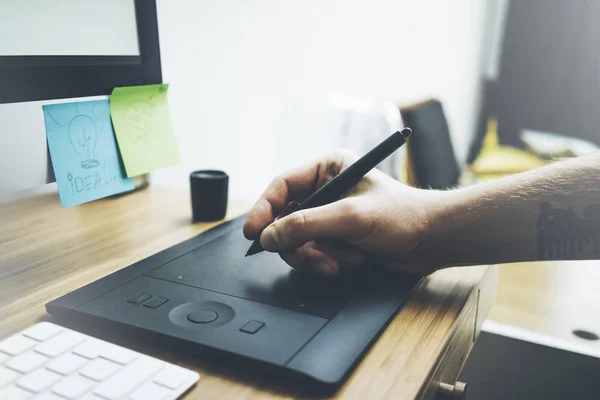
(83, 135)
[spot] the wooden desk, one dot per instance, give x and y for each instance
(553, 298)
(47, 251)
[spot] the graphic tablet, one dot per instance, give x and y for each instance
(205, 295)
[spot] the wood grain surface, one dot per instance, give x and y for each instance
(47, 251)
(551, 297)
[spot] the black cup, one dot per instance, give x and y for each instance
(209, 190)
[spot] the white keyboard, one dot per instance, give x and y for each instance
(49, 362)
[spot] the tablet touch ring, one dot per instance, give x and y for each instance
(201, 314)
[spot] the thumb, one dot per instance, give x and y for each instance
(337, 220)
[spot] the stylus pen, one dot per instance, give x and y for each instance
(343, 182)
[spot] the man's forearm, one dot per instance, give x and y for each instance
(552, 212)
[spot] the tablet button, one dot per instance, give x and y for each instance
(252, 327)
(202, 316)
(155, 302)
(139, 298)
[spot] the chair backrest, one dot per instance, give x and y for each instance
(431, 155)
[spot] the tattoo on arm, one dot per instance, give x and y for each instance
(562, 234)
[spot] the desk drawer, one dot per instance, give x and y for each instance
(456, 353)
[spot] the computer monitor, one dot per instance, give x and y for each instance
(60, 51)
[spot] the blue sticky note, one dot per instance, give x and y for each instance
(84, 151)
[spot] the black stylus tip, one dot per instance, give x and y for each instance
(254, 249)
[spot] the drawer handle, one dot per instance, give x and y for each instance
(457, 391)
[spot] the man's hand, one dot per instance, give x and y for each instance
(380, 221)
(550, 212)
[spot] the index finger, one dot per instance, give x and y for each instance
(294, 185)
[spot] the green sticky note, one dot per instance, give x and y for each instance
(142, 124)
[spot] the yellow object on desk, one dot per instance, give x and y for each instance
(495, 161)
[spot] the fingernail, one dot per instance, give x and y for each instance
(269, 239)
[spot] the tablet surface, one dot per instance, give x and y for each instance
(205, 295)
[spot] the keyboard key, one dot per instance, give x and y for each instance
(7, 376)
(38, 380)
(173, 377)
(90, 396)
(90, 349)
(48, 396)
(99, 369)
(42, 331)
(94, 348)
(14, 393)
(128, 378)
(16, 345)
(27, 362)
(60, 343)
(3, 358)
(150, 391)
(73, 387)
(66, 364)
(118, 354)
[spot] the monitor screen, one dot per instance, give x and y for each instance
(68, 28)
(64, 50)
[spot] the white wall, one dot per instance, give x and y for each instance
(246, 75)
(236, 65)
